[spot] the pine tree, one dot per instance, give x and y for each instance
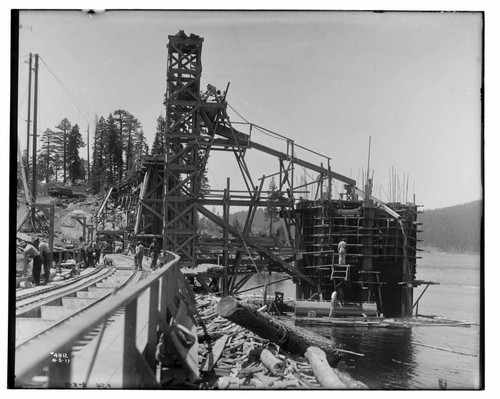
(120, 117)
(97, 175)
(76, 168)
(132, 129)
(112, 154)
(141, 149)
(271, 212)
(64, 127)
(47, 156)
(158, 147)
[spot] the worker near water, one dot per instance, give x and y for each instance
(334, 302)
(139, 254)
(154, 251)
(31, 252)
(342, 249)
(46, 261)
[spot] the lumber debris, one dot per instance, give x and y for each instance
(232, 357)
(214, 355)
(293, 339)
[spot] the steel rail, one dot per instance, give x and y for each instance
(30, 360)
(63, 289)
(59, 322)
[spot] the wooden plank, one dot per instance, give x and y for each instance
(213, 357)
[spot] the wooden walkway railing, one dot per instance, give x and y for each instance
(171, 305)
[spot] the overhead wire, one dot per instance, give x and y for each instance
(83, 107)
(87, 114)
(267, 132)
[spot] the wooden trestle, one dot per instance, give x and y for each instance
(167, 196)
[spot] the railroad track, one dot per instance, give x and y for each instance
(45, 309)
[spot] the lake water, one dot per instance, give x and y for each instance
(398, 359)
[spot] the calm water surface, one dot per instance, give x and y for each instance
(397, 359)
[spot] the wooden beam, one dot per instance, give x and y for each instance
(251, 242)
(213, 356)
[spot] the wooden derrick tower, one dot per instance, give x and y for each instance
(185, 157)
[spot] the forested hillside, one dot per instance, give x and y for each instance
(456, 228)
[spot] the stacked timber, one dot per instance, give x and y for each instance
(234, 356)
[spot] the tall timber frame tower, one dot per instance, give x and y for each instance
(183, 156)
(198, 124)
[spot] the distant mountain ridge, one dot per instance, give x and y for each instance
(455, 228)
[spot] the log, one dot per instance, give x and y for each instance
(350, 382)
(274, 365)
(293, 339)
(322, 370)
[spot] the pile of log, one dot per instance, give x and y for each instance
(238, 357)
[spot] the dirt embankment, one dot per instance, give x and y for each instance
(66, 228)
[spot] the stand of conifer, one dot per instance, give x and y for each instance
(292, 339)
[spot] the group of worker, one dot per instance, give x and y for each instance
(39, 251)
(90, 253)
(154, 252)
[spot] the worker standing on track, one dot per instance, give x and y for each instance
(342, 248)
(31, 252)
(46, 260)
(139, 254)
(82, 252)
(90, 255)
(154, 251)
(97, 251)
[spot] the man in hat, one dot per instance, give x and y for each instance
(90, 255)
(154, 251)
(31, 252)
(46, 260)
(342, 248)
(139, 254)
(82, 252)
(97, 252)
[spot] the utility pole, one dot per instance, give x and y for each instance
(88, 156)
(35, 121)
(48, 160)
(29, 119)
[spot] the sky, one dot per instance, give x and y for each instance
(409, 82)
(328, 80)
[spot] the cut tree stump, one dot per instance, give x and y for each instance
(293, 339)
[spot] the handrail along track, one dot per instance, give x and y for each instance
(138, 368)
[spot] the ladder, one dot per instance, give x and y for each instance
(340, 272)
